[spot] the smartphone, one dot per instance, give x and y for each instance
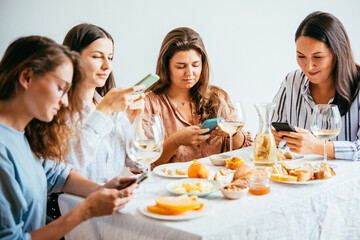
(283, 126)
(149, 80)
(209, 123)
(137, 180)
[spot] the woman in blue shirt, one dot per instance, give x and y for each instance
(35, 76)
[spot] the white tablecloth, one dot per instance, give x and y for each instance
(324, 211)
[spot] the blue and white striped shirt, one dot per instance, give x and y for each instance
(295, 104)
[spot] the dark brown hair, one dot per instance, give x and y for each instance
(206, 97)
(42, 55)
(328, 29)
(81, 36)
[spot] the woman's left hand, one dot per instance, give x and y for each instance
(136, 107)
(218, 132)
(303, 141)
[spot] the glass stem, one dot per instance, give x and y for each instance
(325, 153)
(231, 143)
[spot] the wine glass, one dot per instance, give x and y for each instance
(231, 118)
(144, 144)
(325, 123)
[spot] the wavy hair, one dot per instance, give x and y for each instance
(206, 97)
(48, 140)
(328, 29)
(81, 36)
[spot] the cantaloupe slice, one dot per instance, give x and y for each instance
(275, 176)
(159, 210)
(177, 204)
(288, 178)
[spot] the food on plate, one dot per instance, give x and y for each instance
(286, 154)
(322, 170)
(234, 162)
(301, 171)
(179, 172)
(173, 172)
(198, 170)
(234, 187)
(193, 187)
(175, 206)
(244, 172)
(241, 171)
(224, 177)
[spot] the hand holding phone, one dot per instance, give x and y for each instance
(283, 126)
(137, 180)
(147, 81)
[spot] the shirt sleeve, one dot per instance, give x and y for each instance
(280, 100)
(83, 152)
(56, 175)
(348, 150)
(12, 201)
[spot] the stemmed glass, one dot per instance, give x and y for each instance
(325, 123)
(144, 144)
(231, 118)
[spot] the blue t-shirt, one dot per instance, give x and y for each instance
(25, 182)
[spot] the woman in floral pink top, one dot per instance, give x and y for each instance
(184, 100)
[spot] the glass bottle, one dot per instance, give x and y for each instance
(265, 152)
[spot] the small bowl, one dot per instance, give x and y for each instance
(234, 194)
(220, 159)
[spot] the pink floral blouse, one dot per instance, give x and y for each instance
(173, 121)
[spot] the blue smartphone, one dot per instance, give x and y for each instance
(209, 123)
(147, 81)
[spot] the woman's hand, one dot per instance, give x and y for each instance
(136, 107)
(277, 136)
(220, 133)
(117, 100)
(105, 202)
(190, 136)
(303, 141)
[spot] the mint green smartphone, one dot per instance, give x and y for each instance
(149, 80)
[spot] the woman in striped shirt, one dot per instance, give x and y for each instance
(328, 74)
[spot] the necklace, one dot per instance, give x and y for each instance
(178, 100)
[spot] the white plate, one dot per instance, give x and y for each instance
(172, 166)
(170, 186)
(310, 182)
(186, 215)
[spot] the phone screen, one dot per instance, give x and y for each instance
(283, 126)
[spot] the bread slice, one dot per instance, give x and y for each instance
(322, 170)
(224, 177)
(302, 170)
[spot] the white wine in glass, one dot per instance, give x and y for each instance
(325, 123)
(231, 118)
(144, 144)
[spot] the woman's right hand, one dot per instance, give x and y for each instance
(117, 100)
(277, 136)
(190, 136)
(105, 202)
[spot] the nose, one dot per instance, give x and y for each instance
(310, 65)
(107, 64)
(188, 71)
(64, 101)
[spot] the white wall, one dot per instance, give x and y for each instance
(250, 43)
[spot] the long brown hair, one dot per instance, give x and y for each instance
(81, 36)
(42, 55)
(206, 97)
(328, 29)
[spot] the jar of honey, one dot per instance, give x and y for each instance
(259, 182)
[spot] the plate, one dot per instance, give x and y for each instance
(172, 166)
(215, 186)
(185, 216)
(310, 182)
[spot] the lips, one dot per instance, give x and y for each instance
(313, 73)
(104, 76)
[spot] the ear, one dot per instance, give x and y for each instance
(25, 77)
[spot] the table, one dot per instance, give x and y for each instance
(324, 211)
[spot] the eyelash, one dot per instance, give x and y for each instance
(195, 66)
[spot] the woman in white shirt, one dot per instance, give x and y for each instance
(328, 74)
(100, 154)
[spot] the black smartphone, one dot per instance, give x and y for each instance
(137, 180)
(283, 126)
